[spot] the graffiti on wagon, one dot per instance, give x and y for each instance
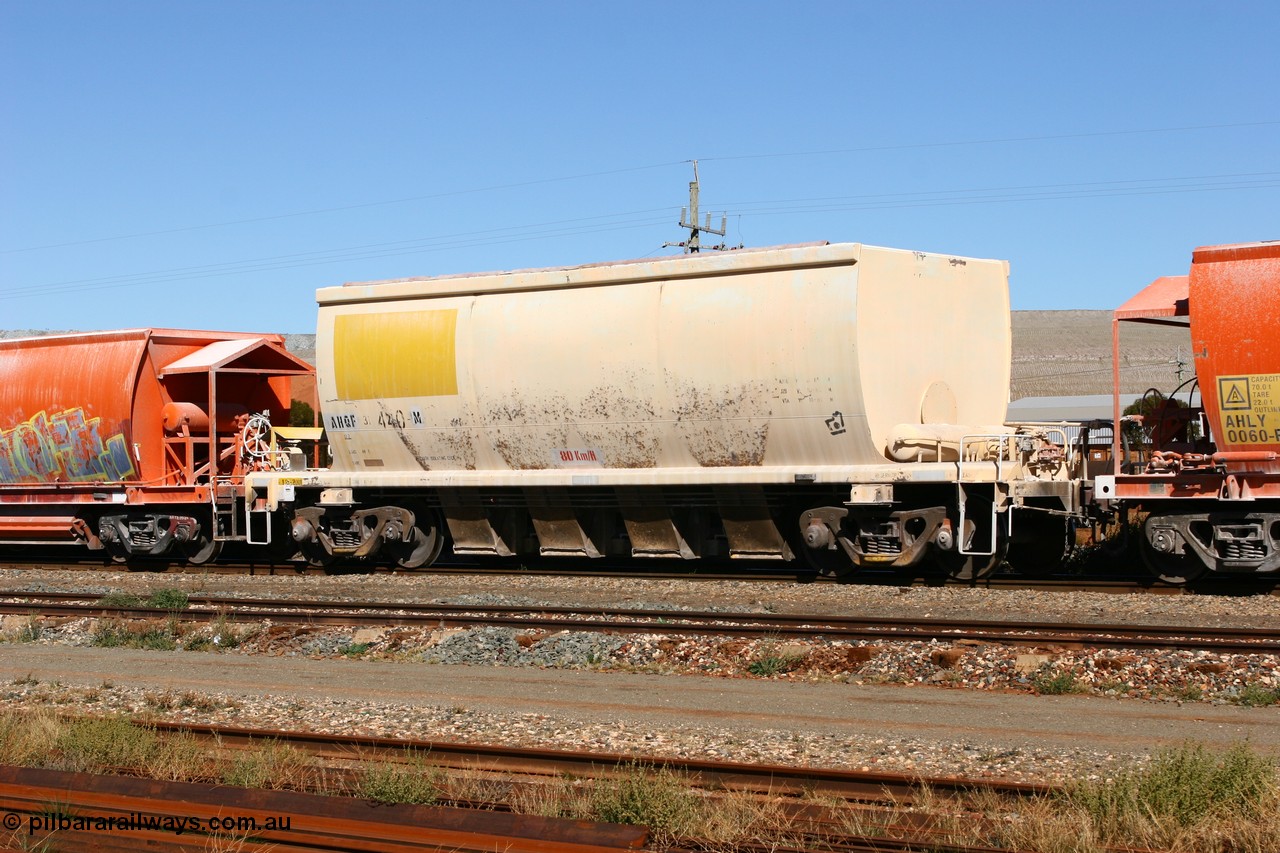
(62, 447)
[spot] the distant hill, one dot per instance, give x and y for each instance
(1063, 353)
(1055, 353)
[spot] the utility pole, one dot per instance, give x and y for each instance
(693, 244)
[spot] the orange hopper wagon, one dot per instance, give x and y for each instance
(136, 442)
(1210, 487)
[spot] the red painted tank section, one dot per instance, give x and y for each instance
(89, 408)
(67, 408)
(1235, 334)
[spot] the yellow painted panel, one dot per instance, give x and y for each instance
(1250, 409)
(400, 354)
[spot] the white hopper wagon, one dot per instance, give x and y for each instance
(838, 403)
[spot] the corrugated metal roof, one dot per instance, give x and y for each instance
(1165, 297)
(219, 354)
(1086, 407)
(211, 357)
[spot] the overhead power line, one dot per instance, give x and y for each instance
(304, 260)
(624, 170)
(994, 141)
(644, 219)
(319, 210)
(1020, 187)
(942, 199)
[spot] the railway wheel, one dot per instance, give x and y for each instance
(823, 560)
(971, 567)
(1172, 568)
(426, 541)
(828, 563)
(201, 550)
(1039, 544)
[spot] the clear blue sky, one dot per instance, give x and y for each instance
(211, 164)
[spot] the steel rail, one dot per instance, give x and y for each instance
(775, 779)
(622, 620)
(124, 812)
(1107, 584)
(315, 823)
(884, 792)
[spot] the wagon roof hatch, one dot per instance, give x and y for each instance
(252, 355)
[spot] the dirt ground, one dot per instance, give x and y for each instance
(666, 702)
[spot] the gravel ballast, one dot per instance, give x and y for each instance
(1183, 685)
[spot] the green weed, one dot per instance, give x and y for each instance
(1183, 786)
(1049, 682)
(641, 795)
(1257, 696)
(274, 765)
(118, 598)
(106, 744)
(173, 600)
(413, 781)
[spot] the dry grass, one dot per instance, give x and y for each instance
(565, 797)
(1187, 800)
(222, 633)
(26, 739)
(669, 805)
(168, 700)
(182, 758)
(477, 787)
(159, 635)
(104, 745)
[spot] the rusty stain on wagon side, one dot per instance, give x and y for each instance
(617, 416)
(717, 424)
(524, 429)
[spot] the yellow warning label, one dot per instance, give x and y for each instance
(400, 354)
(1250, 409)
(1233, 392)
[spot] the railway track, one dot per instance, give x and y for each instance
(1140, 583)
(764, 779)
(618, 620)
(121, 813)
(342, 823)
